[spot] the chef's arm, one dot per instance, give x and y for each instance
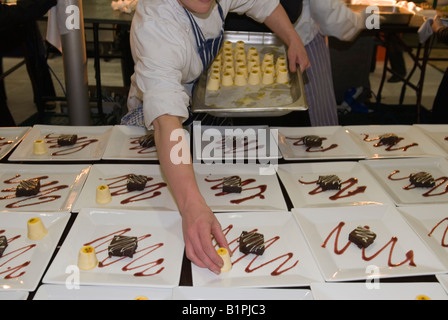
(280, 24)
(198, 221)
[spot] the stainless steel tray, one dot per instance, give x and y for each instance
(265, 42)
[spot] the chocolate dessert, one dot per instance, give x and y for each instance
(122, 246)
(28, 188)
(147, 141)
(3, 244)
(67, 139)
(329, 182)
(389, 139)
(312, 141)
(362, 237)
(136, 182)
(232, 185)
(422, 180)
(252, 242)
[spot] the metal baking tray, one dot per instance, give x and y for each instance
(389, 14)
(253, 104)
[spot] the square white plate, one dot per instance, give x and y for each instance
(227, 143)
(60, 186)
(337, 145)
(24, 261)
(90, 146)
(123, 145)
(358, 186)
(287, 253)
(260, 192)
(204, 293)
(414, 143)
(156, 196)
(430, 222)
(443, 280)
(385, 291)
(156, 263)
(327, 230)
(62, 292)
(437, 132)
(382, 170)
(10, 137)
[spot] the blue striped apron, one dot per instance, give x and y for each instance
(207, 50)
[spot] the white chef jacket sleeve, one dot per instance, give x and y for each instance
(159, 69)
(335, 19)
(258, 10)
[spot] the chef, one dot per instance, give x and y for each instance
(173, 42)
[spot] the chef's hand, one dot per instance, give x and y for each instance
(298, 56)
(199, 225)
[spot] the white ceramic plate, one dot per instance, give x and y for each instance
(430, 222)
(338, 144)
(286, 252)
(123, 145)
(358, 186)
(62, 292)
(260, 192)
(437, 167)
(90, 146)
(204, 293)
(227, 143)
(382, 291)
(10, 137)
(443, 280)
(156, 263)
(438, 132)
(24, 261)
(60, 186)
(414, 143)
(156, 196)
(327, 230)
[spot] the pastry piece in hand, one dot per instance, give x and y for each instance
(389, 139)
(136, 182)
(67, 139)
(147, 141)
(28, 188)
(252, 242)
(312, 141)
(224, 254)
(362, 237)
(329, 182)
(232, 185)
(422, 180)
(3, 244)
(122, 246)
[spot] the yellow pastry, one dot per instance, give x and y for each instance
(103, 195)
(224, 254)
(36, 229)
(87, 259)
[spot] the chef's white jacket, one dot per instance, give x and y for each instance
(165, 52)
(330, 18)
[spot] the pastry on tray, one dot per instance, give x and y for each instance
(362, 237)
(252, 242)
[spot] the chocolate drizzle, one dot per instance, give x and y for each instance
(81, 143)
(312, 147)
(262, 189)
(438, 183)
(9, 258)
(5, 143)
(141, 149)
(383, 141)
(340, 194)
(443, 242)
(393, 241)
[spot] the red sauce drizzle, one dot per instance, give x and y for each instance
(5, 143)
(299, 142)
(10, 256)
(389, 148)
(441, 181)
(443, 242)
(80, 144)
(340, 194)
(391, 243)
(277, 271)
(141, 150)
(144, 266)
(262, 188)
(44, 195)
(118, 187)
